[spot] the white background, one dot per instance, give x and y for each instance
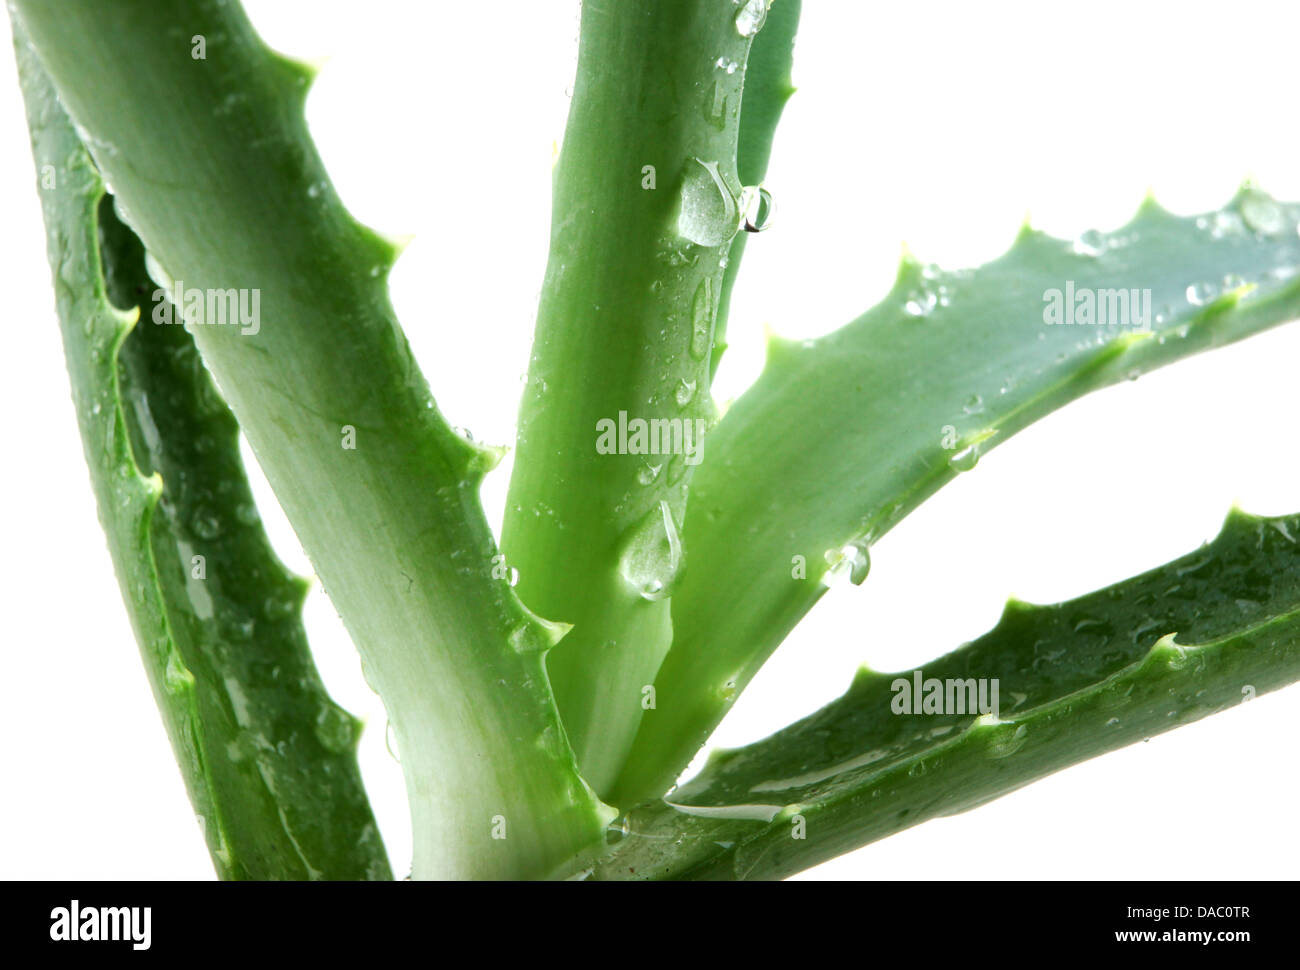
(938, 124)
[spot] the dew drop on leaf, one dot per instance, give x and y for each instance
(390, 741)
(652, 558)
(649, 473)
(1090, 243)
(751, 17)
(756, 208)
(964, 459)
(205, 524)
(851, 561)
(1263, 215)
(702, 309)
(335, 729)
(176, 676)
(921, 302)
(706, 213)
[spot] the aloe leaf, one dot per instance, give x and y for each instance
(768, 86)
(864, 424)
(268, 759)
(647, 201)
(1074, 680)
(199, 129)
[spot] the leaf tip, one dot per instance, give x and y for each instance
(1026, 226)
(777, 348)
(1150, 205)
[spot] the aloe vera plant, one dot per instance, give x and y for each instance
(660, 558)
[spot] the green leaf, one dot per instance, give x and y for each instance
(1201, 634)
(768, 86)
(268, 759)
(199, 128)
(645, 210)
(843, 436)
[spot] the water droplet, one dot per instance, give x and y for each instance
(756, 208)
(335, 729)
(513, 577)
(652, 557)
(974, 405)
(528, 638)
(276, 608)
(716, 105)
(1090, 243)
(859, 561)
(1224, 224)
(1199, 294)
(685, 392)
(649, 473)
(205, 524)
(1112, 722)
(964, 459)
(176, 676)
(1009, 742)
(851, 561)
(706, 213)
(239, 629)
(725, 63)
(1263, 215)
(618, 830)
(751, 17)
(920, 302)
(702, 309)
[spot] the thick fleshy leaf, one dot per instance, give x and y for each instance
(200, 130)
(843, 436)
(268, 759)
(648, 202)
(1048, 687)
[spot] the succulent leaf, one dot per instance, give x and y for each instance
(843, 436)
(1073, 680)
(212, 167)
(268, 759)
(646, 208)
